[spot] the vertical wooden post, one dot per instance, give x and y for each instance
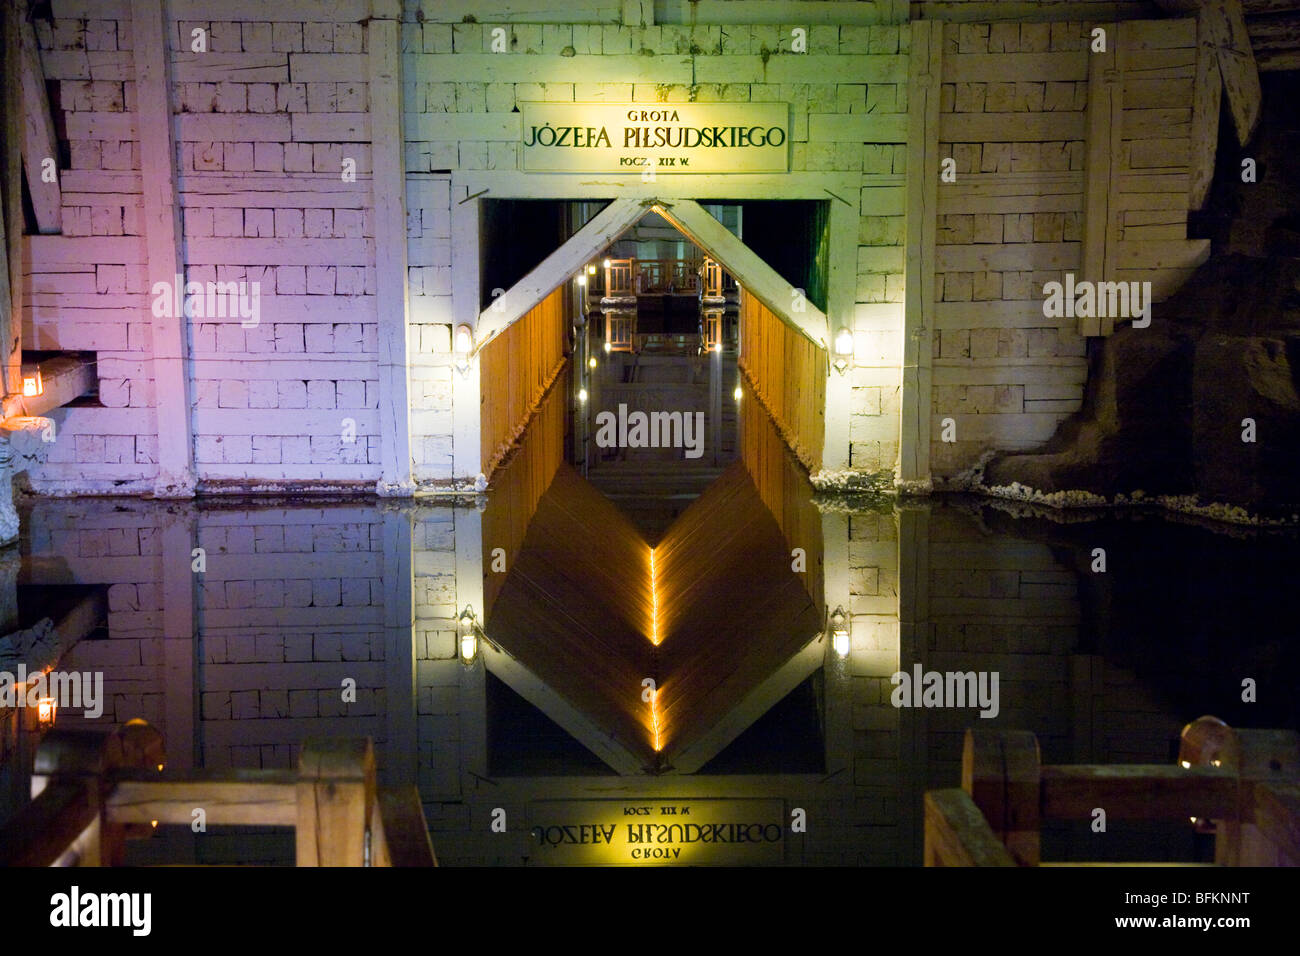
(1000, 770)
(162, 231)
(336, 793)
(1104, 125)
(466, 400)
(924, 75)
(388, 195)
(841, 290)
(401, 752)
(914, 626)
(39, 140)
(11, 212)
(1206, 102)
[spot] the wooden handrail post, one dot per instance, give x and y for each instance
(336, 791)
(1000, 771)
(72, 761)
(956, 833)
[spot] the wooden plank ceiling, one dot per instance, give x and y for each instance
(583, 611)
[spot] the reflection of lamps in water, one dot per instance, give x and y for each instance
(843, 350)
(839, 628)
(467, 629)
(47, 709)
(464, 347)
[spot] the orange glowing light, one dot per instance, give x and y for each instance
(654, 718)
(32, 385)
(654, 603)
(46, 710)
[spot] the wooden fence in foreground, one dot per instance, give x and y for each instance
(1242, 785)
(92, 792)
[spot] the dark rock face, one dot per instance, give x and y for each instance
(1172, 409)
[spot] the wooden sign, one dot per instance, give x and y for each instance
(662, 138)
(657, 831)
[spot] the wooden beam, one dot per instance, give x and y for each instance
(388, 189)
(1138, 792)
(11, 212)
(404, 832)
(39, 140)
(589, 241)
(1000, 770)
(161, 223)
(1226, 29)
(1206, 101)
(956, 833)
(582, 728)
(1105, 132)
(755, 704)
(1277, 815)
(758, 278)
(335, 796)
(228, 797)
(925, 71)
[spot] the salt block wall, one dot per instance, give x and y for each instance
(1014, 112)
(848, 97)
(272, 121)
(265, 122)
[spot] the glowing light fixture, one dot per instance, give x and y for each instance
(32, 384)
(582, 280)
(737, 393)
(654, 717)
(1186, 764)
(607, 263)
(464, 347)
(839, 631)
(591, 270)
(467, 629)
(582, 395)
(654, 602)
(843, 350)
(47, 709)
(591, 362)
(607, 346)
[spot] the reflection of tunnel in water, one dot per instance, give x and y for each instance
(239, 663)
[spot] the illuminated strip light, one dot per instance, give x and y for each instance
(654, 603)
(654, 639)
(654, 718)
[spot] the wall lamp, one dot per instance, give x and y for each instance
(467, 632)
(838, 627)
(843, 350)
(464, 348)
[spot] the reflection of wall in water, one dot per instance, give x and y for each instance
(294, 599)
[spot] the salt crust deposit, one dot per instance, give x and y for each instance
(855, 484)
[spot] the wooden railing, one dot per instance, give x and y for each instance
(516, 370)
(628, 277)
(92, 792)
(1242, 785)
(619, 278)
(712, 278)
(711, 319)
(620, 329)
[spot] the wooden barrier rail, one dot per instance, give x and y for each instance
(1244, 784)
(92, 792)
